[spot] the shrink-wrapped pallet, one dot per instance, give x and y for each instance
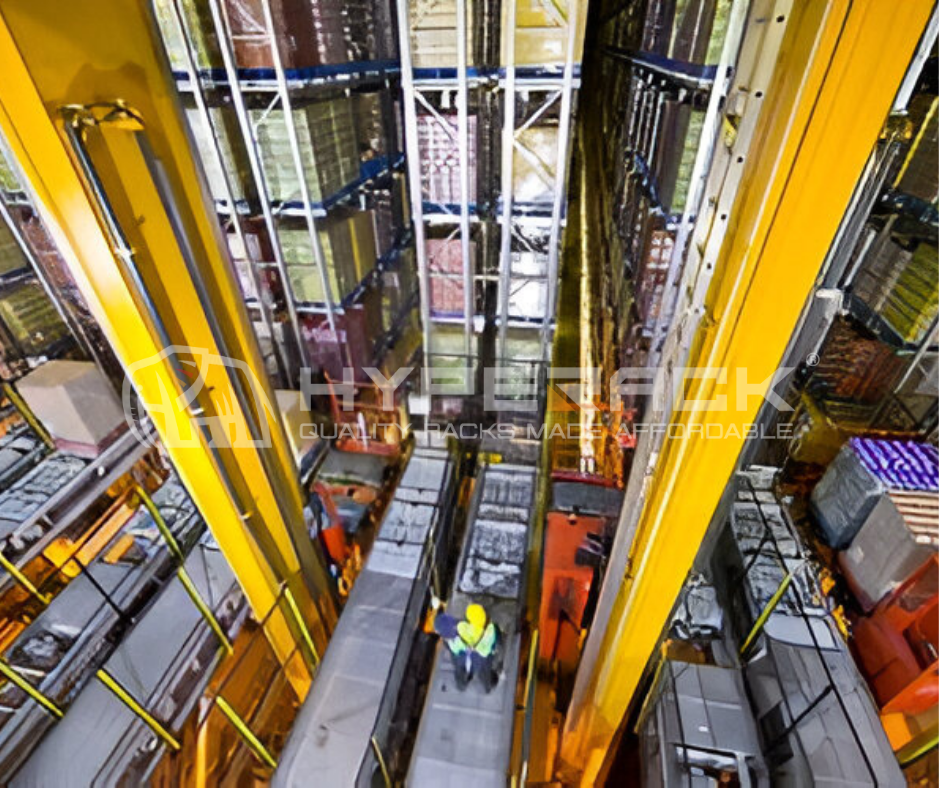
(534, 165)
(440, 158)
(328, 150)
(305, 276)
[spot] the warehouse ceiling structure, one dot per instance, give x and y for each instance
(469, 392)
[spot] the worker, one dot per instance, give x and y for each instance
(473, 645)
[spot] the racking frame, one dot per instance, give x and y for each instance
(285, 89)
(487, 278)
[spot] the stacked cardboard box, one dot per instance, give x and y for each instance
(9, 181)
(534, 166)
(31, 318)
(351, 345)
(362, 235)
(680, 128)
(900, 285)
(308, 34)
(911, 305)
(862, 473)
(328, 148)
(854, 367)
(650, 280)
(305, 277)
(437, 146)
(692, 31)
(919, 178)
(367, 110)
(74, 401)
(445, 265)
(11, 256)
(896, 539)
(206, 52)
(541, 31)
(433, 26)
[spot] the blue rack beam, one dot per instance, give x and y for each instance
(262, 80)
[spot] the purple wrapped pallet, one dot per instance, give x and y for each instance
(864, 470)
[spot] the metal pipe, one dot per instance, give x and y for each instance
(253, 742)
(462, 149)
(123, 695)
(508, 158)
(413, 156)
(561, 178)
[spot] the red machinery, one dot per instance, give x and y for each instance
(366, 426)
(896, 646)
(573, 557)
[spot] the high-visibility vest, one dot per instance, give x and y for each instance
(469, 634)
(487, 642)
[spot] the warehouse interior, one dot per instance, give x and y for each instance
(324, 321)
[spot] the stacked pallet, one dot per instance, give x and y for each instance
(439, 150)
(329, 150)
(878, 504)
(854, 367)
(433, 27)
(32, 320)
(445, 264)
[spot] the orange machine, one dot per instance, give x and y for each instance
(575, 550)
(896, 646)
(362, 422)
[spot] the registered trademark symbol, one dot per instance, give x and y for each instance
(812, 359)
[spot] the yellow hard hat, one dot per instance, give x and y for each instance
(476, 616)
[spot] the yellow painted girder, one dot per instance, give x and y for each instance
(839, 68)
(56, 54)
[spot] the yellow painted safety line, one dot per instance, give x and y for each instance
(765, 613)
(295, 612)
(128, 700)
(30, 690)
(203, 608)
(22, 579)
(382, 765)
(27, 413)
(162, 527)
(253, 742)
(916, 143)
(530, 669)
(181, 572)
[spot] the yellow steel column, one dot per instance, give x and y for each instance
(839, 67)
(174, 287)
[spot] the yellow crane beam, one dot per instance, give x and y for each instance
(88, 107)
(836, 76)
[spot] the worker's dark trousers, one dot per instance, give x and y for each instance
(465, 668)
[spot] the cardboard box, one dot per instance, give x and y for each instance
(74, 401)
(294, 417)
